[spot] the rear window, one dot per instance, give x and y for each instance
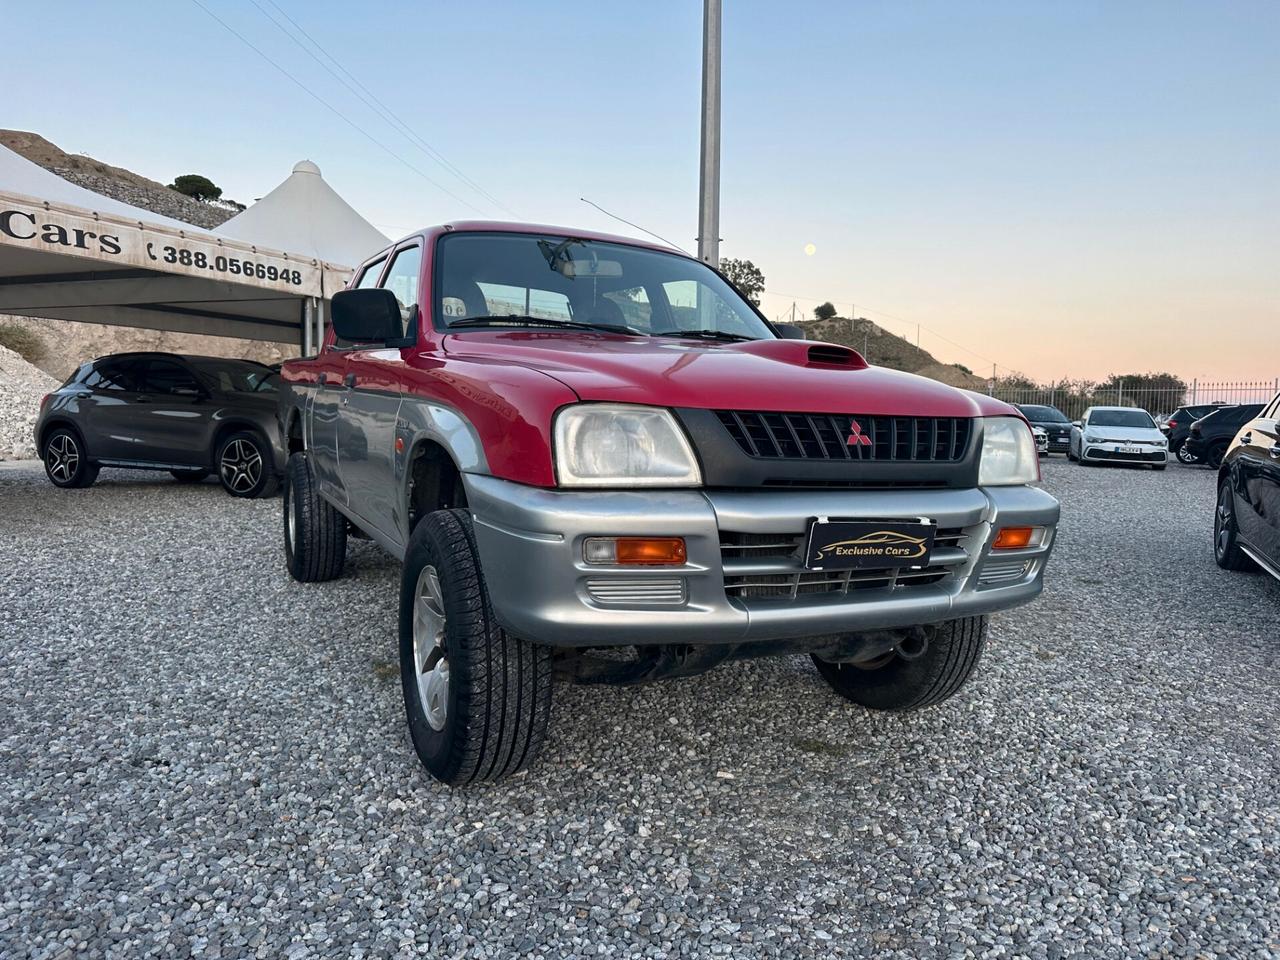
(1043, 414)
(1120, 418)
(238, 376)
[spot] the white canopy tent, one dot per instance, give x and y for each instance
(70, 254)
(306, 215)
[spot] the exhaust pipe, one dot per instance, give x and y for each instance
(913, 645)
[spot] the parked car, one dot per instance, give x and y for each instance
(1118, 435)
(1210, 437)
(1178, 427)
(1042, 440)
(1052, 420)
(191, 416)
(1247, 523)
(577, 442)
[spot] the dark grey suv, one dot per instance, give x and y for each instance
(191, 416)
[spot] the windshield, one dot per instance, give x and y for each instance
(1042, 414)
(1120, 418)
(238, 376)
(507, 279)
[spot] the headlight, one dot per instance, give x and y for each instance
(622, 445)
(1008, 453)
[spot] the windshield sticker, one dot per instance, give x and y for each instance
(453, 307)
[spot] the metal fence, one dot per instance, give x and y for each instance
(1074, 398)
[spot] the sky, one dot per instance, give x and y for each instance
(1067, 190)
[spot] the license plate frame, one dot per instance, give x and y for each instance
(859, 543)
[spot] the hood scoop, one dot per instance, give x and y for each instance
(832, 354)
(803, 353)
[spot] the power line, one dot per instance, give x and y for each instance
(630, 224)
(370, 99)
(335, 111)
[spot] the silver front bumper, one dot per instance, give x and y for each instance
(531, 543)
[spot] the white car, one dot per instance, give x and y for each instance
(1118, 435)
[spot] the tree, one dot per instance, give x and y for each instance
(745, 276)
(824, 311)
(196, 187)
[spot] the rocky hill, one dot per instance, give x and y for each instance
(59, 346)
(885, 349)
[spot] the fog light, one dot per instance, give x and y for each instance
(635, 551)
(1016, 538)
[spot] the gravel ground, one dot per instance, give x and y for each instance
(201, 758)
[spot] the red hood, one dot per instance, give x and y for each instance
(756, 375)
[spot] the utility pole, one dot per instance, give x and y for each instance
(793, 311)
(709, 182)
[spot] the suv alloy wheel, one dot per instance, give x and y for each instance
(244, 465)
(65, 461)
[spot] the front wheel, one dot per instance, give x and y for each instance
(894, 683)
(245, 465)
(478, 700)
(65, 462)
(1226, 535)
(1184, 454)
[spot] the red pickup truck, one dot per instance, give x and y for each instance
(599, 463)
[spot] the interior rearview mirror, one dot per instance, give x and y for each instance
(367, 316)
(790, 331)
(589, 268)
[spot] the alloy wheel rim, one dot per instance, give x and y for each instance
(430, 663)
(62, 458)
(241, 466)
(1185, 455)
(1223, 539)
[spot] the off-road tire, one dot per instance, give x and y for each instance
(954, 650)
(267, 482)
(315, 545)
(1226, 534)
(67, 442)
(499, 693)
(188, 476)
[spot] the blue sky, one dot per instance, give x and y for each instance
(1067, 189)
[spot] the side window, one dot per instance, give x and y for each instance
(402, 280)
(696, 306)
(165, 376)
(634, 306)
(369, 275)
(115, 375)
(501, 299)
(1273, 410)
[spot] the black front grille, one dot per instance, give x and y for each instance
(777, 573)
(822, 436)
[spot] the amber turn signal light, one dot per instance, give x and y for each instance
(1014, 538)
(636, 551)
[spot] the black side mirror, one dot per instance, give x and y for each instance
(367, 316)
(790, 331)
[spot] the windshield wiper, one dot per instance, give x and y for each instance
(523, 320)
(704, 335)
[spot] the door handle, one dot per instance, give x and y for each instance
(1275, 452)
(349, 380)
(322, 379)
(1247, 438)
